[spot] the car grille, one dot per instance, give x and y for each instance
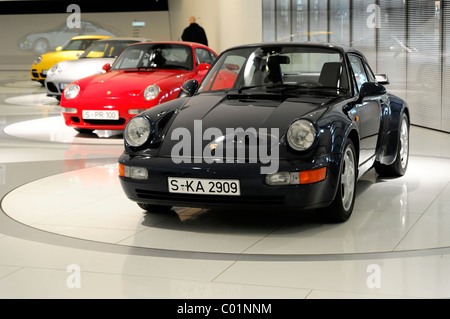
(52, 87)
(106, 122)
(212, 200)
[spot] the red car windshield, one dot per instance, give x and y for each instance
(155, 56)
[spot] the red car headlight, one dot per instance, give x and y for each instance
(151, 92)
(71, 91)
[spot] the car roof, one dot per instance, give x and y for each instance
(192, 44)
(126, 39)
(342, 48)
(81, 37)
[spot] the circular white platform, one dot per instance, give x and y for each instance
(408, 213)
(53, 129)
(33, 100)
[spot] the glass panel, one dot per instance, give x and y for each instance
(340, 21)
(268, 11)
(318, 21)
(407, 40)
(392, 46)
(364, 29)
(445, 126)
(283, 21)
(424, 69)
(300, 20)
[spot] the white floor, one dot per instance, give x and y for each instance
(68, 231)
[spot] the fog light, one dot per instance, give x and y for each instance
(138, 172)
(133, 172)
(283, 178)
(68, 110)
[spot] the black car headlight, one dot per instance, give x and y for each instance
(137, 131)
(301, 135)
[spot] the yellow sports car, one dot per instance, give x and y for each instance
(69, 51)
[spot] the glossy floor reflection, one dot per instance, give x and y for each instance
(62, 205)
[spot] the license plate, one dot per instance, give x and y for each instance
(100, 115)
(230, 187)
(62, 86)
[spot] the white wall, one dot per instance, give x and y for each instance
(227, 22)
(14, 28)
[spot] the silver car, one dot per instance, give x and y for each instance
(91, 62)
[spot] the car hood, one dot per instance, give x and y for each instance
(116, 84)
(241, 111)
(77, 69)
(50, 59)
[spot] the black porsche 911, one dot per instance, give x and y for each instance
(271, 125)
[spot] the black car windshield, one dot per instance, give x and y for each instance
(279, 69)
(155, 56)
(106, 49)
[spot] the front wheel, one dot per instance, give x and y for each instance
(342, 206)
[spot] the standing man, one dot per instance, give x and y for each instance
(194, 33)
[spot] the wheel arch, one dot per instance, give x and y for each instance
(388, 137)
(354, 137)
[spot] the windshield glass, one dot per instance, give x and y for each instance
(278, 69)
(155, 56)
(105, 49)
(77, 45)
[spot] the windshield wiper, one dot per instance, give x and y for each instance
(249, 87)
(307, 88)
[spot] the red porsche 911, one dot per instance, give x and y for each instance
(142, 76)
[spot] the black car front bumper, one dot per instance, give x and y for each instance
(254, 191)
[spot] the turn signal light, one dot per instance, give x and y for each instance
(313, 176)
(121, 170)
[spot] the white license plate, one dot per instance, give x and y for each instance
(100, 115)
(230, 187)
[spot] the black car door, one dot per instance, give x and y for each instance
(367, 114)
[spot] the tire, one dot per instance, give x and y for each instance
(154, 208)
(342, 206)
(398, 168)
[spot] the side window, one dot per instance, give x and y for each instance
(370, 74)
(225, 76)
(204, 56)
(358, 70)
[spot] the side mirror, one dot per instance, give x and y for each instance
(189, 87)
(106, 67)
(203, 68)
(371, 89)
(59, 48)
(382, 79)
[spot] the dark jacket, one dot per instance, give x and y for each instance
(194, 33)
